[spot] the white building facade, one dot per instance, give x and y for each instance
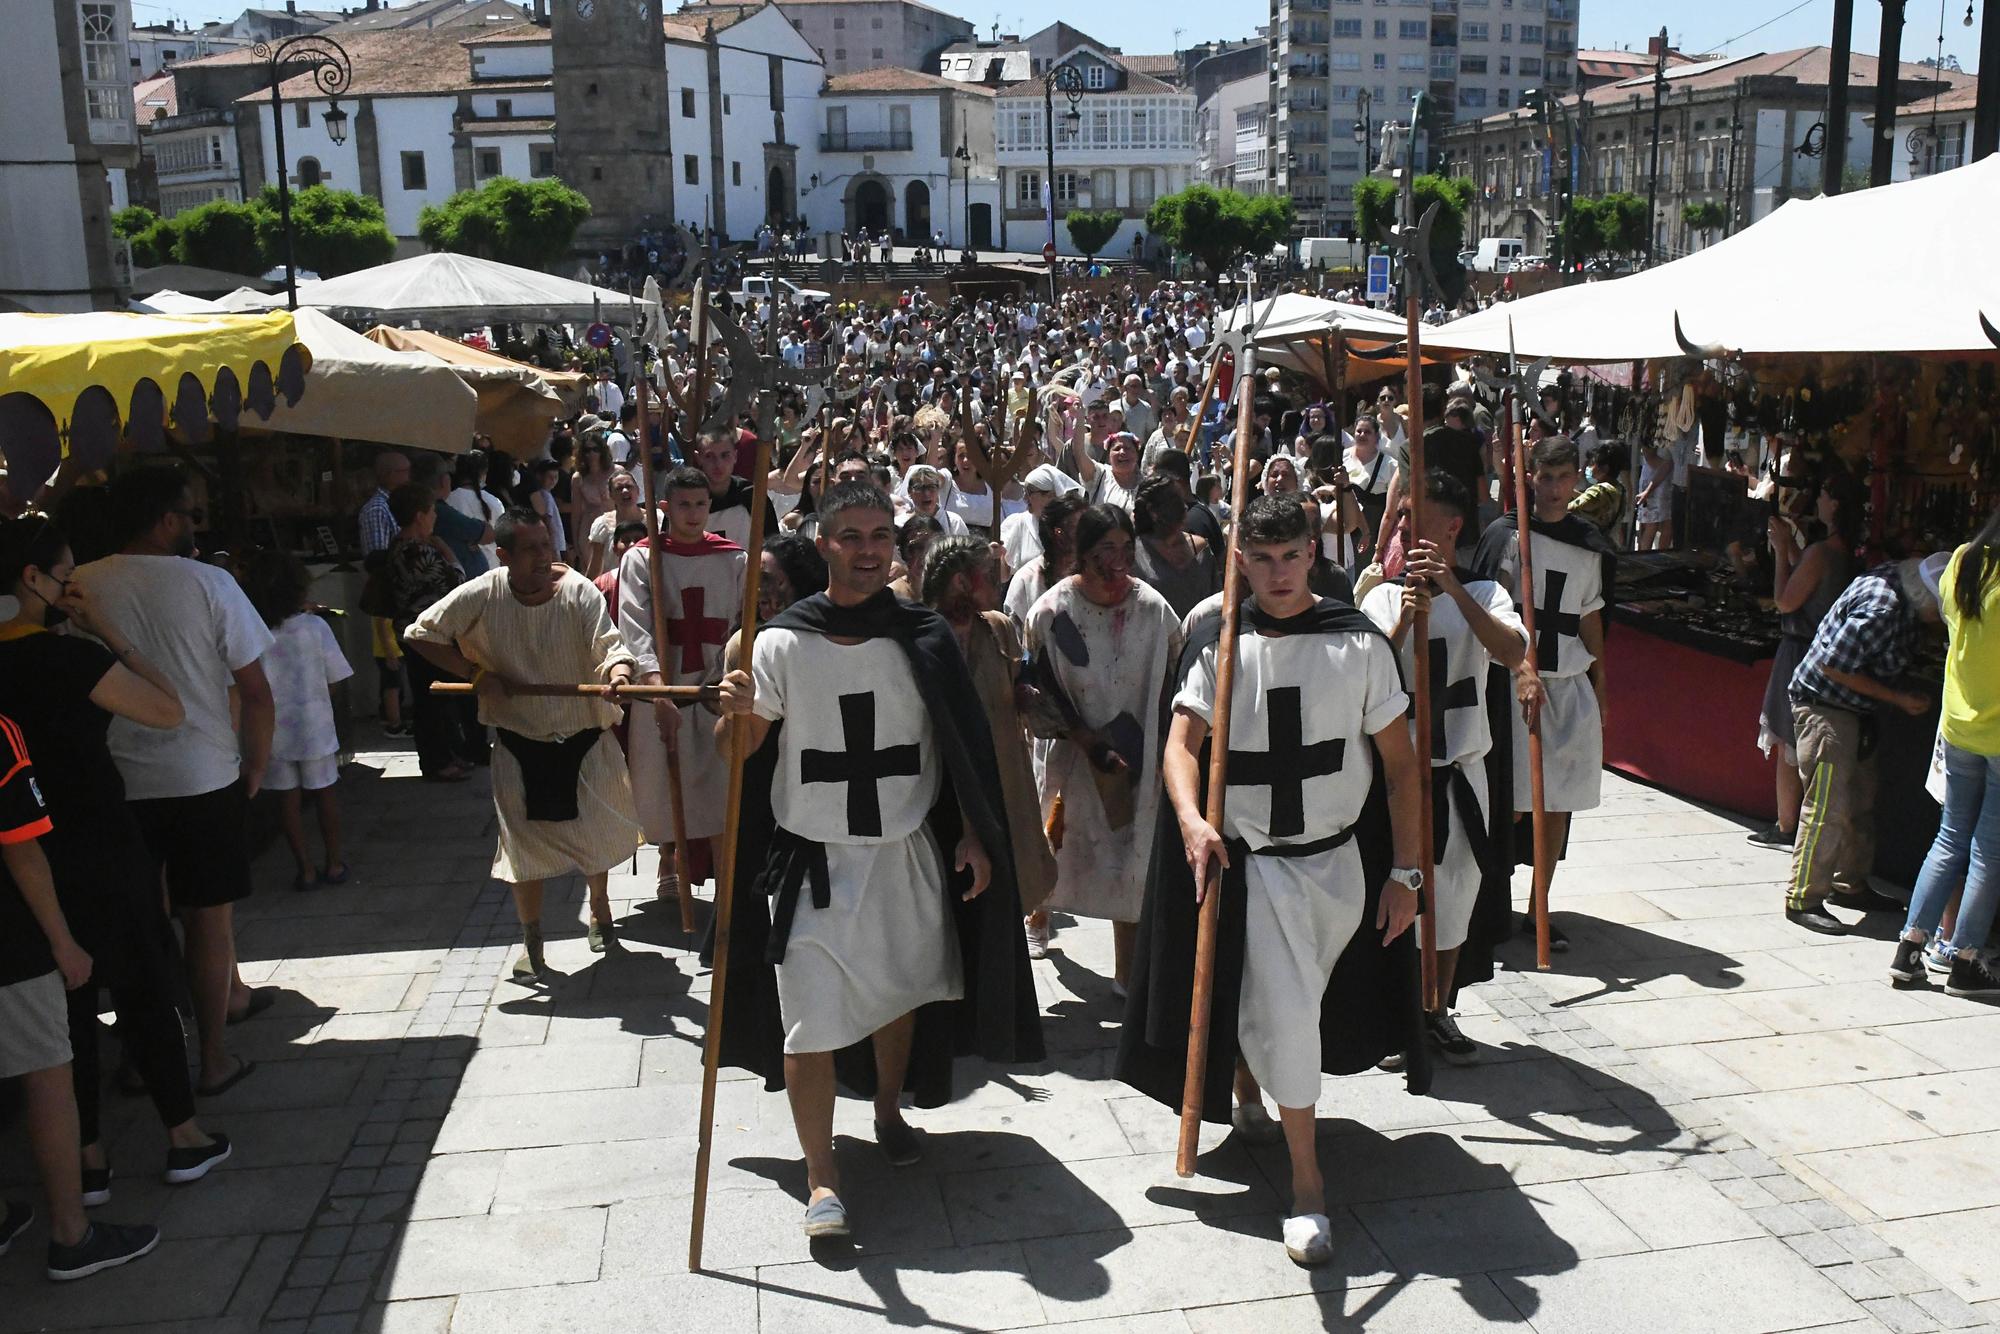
(68, 127)
(1133, 140)
(889, 159)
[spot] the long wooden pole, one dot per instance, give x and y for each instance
(1218, 772)
(1523, 519)
(565, 690)
(1201, 411)
(1413, 489)
(725, 871)
(655, 578)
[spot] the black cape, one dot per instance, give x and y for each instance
(1514, 842)
(1372, 1006)
(998, 1019)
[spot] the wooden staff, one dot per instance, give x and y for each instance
(1413, 488)
(1218, 770)
(1523, 517)
(725, 871)
(586, 689)
(1201, 409)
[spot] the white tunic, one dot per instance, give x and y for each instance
(567, 639)
(857, 771)
(1303, 709)
(1113, 663)
(1569, 586)
(703, 596)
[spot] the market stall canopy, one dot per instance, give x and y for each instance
(1294, 331)
(449, 289)
(1778, 287)
(245, 299)
(170, 302)
(364, 391)
(71, 386)
(516, 400)
(194, 280)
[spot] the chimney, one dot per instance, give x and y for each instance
(541, 15)
(373, 5)
(292, 7)
(1653, 45)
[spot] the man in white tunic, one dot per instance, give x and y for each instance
(1562, 679)
(1103, 645)
(559, 783)
(866, 729)
(1315, 699)
(1472, 625)
(701, 588)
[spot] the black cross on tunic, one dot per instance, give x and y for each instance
(1447, 696)
(1286, 766)
(1552, 622)
(860, 766)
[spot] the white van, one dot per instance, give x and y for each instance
(1498, 254)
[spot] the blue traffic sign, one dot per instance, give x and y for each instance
(1378, 277)
(598, 335)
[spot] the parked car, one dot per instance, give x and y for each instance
(760, 289)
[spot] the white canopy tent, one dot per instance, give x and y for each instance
(170, 302)
(449, 290)
(245, 299)
(1293, 327)
(1786, 285)
(360, 390)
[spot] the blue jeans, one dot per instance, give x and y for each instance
(1967, 845)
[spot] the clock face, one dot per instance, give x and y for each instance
(586, 8)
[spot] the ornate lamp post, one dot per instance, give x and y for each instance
(1364, 135)
(326, 61)
(1068, 80)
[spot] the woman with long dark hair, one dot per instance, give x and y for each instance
(1968, 837)
(1181, 568)
(63, 690)
(1806, 585)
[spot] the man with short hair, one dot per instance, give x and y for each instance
(1855, 665)
(871, 757)
(729, 494)
(701, 592)
(1317, 870)
(190, 786)
(559, 785)
(1140, 416)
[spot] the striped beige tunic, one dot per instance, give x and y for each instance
(569, 638)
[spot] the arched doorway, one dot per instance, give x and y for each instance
(871, 206)
(309, 173)
(777, 198)
(982, 226)
(917, 211)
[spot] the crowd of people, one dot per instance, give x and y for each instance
(977, 703)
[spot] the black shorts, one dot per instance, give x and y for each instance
(201, 843)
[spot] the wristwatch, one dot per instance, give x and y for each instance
(1409, 877)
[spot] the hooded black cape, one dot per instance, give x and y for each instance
(1514, 843)
(998, 1019)
(1372, 1006)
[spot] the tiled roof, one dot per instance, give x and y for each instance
(1159, 66)
(692, 23)
(395, 61)
(514, 125)
(423, 14)
(893, 79)
(155, 97)
(525, 32)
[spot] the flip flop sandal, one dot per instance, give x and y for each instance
(243, 1068)
(261, 999)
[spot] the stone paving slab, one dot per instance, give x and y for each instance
(1701, 1119)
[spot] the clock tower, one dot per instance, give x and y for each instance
(611, 116)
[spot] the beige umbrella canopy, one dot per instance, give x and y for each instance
(516, 400)
(364, 391)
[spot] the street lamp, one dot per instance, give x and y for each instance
(326, 61)
(964, 159)
(1068, 80)
(1364, 135)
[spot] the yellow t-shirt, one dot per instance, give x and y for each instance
(1972, 666)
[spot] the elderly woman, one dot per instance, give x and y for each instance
(1281, 475)
(1116, 480)
(925, 486)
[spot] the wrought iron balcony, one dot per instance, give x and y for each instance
(865, 141)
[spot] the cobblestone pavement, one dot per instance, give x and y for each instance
(1702, 1119)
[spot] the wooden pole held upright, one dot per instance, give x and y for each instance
(1218, 773)
(1523, 517)
(1413, 490)
(725, 870)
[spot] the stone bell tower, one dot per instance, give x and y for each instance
(611, 115)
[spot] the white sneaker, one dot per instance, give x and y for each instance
(1038, 940)
(1309, 1239)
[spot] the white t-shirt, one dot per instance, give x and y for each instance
(193, 622)
(301, 663)
(1022, 538)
